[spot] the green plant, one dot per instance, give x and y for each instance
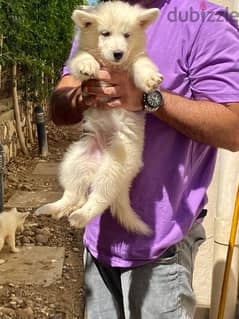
(37, 37)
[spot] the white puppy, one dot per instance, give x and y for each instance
(10, 222)
(97, 171)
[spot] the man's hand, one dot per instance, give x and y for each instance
(113, 88)
(66, 106)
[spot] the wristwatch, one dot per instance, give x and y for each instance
(152, 101)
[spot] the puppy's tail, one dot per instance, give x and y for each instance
(130, 220)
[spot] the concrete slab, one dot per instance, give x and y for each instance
(203, 273)
(32, 265)
(203, 268)
(22, 199)
(48, 169)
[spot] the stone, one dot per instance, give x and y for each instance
(26, 240)
(43, 231)
(13, 304)
(28, 232)
(26, 313)
(13, 179)
(32, 265)
(7, 311)
(16, 299)
(43, 239)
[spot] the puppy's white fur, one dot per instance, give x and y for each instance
(10, 222)
(97, 171)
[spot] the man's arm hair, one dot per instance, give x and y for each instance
(204, 121)
(66, 105)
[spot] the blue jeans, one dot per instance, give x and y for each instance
(161, 289)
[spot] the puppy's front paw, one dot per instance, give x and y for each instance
(151, 81)
(79, 204)
(15, 250)
(51, 210)
(85, 69)
(78, 219)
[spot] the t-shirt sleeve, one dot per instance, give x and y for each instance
(214, 59)
(65, 69)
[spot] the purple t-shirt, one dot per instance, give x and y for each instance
(196, 47)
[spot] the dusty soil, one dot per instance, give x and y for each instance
(64, 299)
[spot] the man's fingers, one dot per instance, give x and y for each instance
(107, 90)
(108, 76)
(105, 75)
(116, 102)
(97, 82)
(110, 91)
(90, 100)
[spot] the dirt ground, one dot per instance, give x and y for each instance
(64, 299)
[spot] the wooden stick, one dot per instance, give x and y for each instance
(17, 111)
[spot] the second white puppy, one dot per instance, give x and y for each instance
(97, 171)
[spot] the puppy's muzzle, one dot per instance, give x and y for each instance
(118, 54)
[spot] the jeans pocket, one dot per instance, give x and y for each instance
(165, 284)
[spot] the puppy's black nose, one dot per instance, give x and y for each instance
(118, 55)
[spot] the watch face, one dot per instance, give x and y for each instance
(154, 99)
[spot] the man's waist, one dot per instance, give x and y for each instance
(170, 252)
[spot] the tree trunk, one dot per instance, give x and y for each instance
(1, 46)
(17, 111)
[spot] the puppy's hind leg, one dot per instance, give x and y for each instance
(1, 242)
(76, 174)
(75, 194)
(11, 243)
(105, 186)
(59, 208)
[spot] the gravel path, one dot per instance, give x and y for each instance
(64, 299)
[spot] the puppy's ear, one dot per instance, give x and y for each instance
(147, 17)
(83, 19)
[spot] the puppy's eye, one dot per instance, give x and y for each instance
(126, 35)
(105, 33)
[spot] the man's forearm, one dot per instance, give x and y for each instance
(66, 106)
(204, 121)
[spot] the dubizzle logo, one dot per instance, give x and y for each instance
(203, 5)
